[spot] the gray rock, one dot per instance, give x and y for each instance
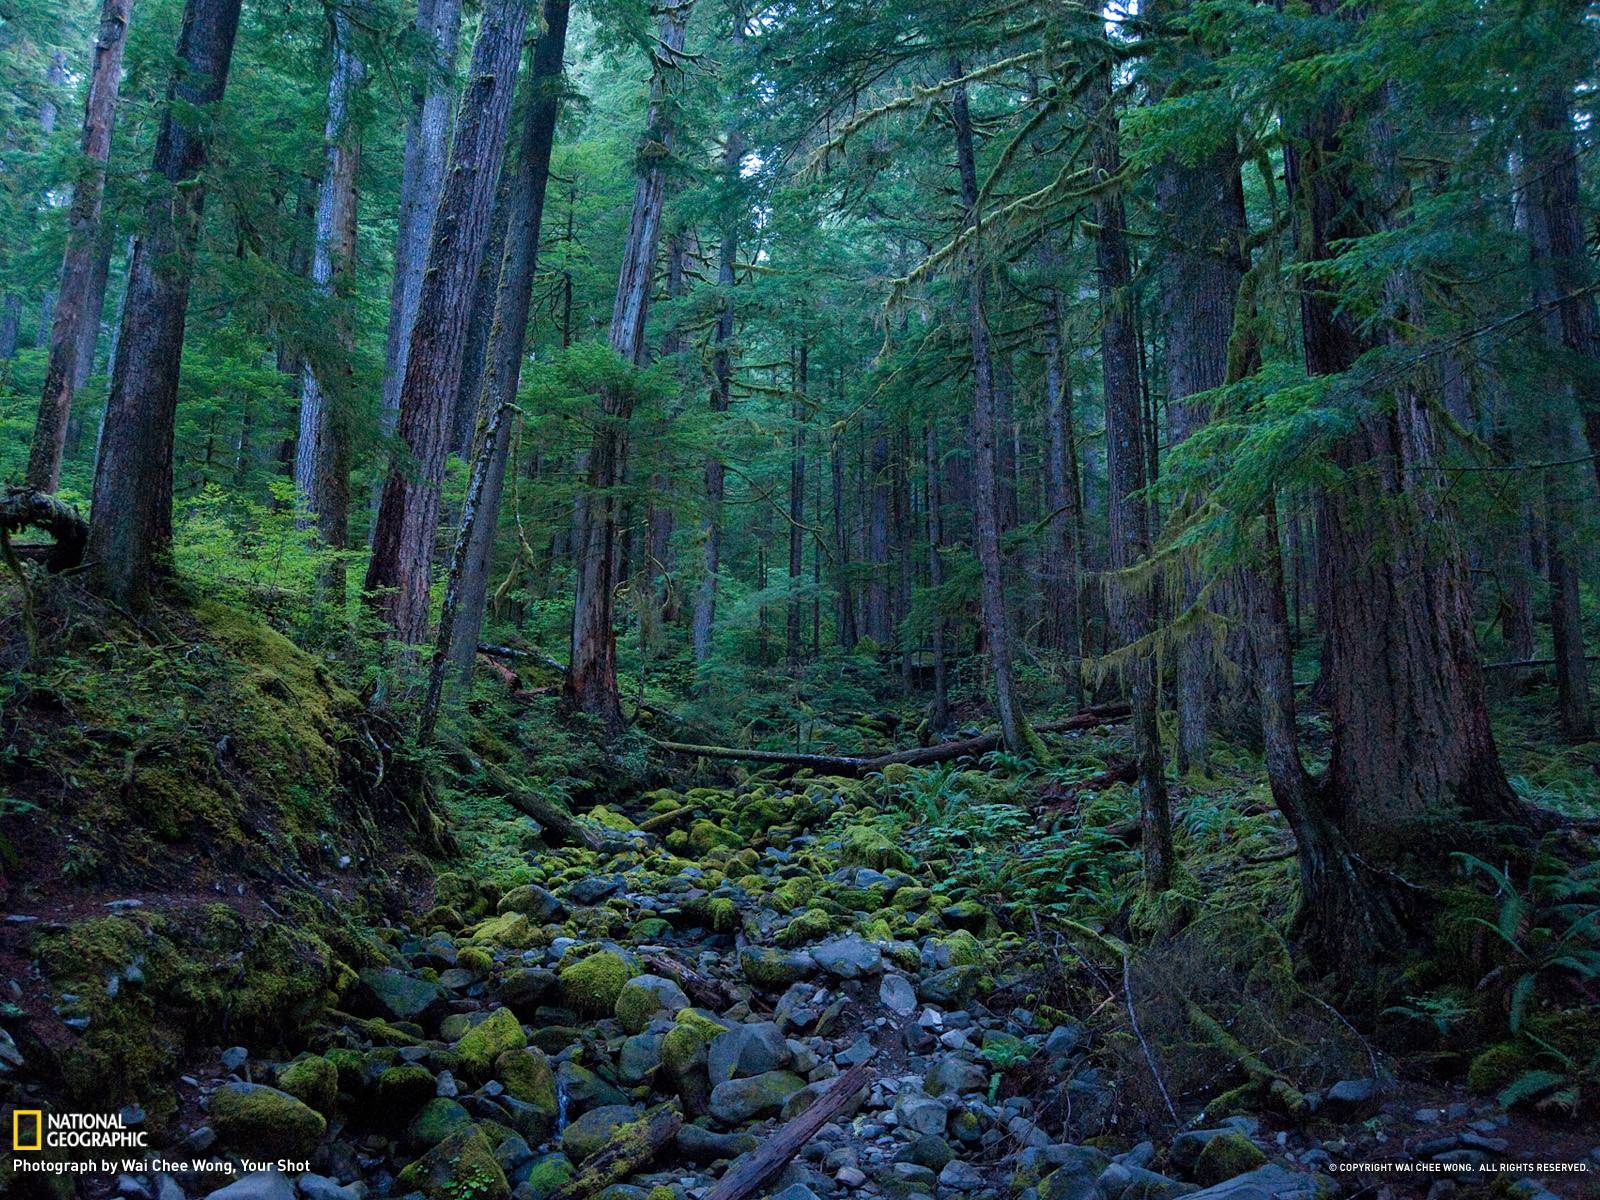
(639, 1058)
(795, 1191)
(931, 1151)
(747, 1050)
(960, 1176)
(320, 1187)
(1270, 1182)
(774, 969)
(957, 1076)
(234, 1057)
(399, 996)
(1061, 1041)
(952, 987)
(918, 1115)
(533, 901)
(258, 1185)
(132, 1187)
(737, 1100)
(167, 1188)
(1141, 1184)
(1351, 1095)
(705, 1145)
(594, 888)
(848, 957)
(524, 990)
(897, 995)
(646, 997)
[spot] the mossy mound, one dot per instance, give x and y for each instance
(264, 1121)
(1225, 1156)
(592, 985)
(487, 1041)
(314, 1081)
(461, 1167)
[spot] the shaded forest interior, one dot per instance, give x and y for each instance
(1116, 483)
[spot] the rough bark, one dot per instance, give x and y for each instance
(1132, 605)
(82, 285)
(939, 714)
(845, 613)
(592, 677)
(437, 26)
(322, 454)
(1203, 227)
(986, 505)
(797, 507)
(704, 621)
(508, 332)
(408, 514)
(1063, 554)
(131, 517)
(1412, 746)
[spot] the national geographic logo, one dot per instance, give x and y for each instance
(33, 1129)
(27, 1129)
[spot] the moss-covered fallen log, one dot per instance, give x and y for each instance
(917, 756)
(560, 826)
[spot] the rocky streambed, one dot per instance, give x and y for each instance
(645, 1021)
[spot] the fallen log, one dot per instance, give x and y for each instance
(705, 991)
(1065, 795)
(761, 1164)
(630, 1148)
(918, 756)
(25, 508)
(560, 826)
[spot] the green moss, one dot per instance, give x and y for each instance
(479, 961)
(870, 846)
(487, 1041)
(462, 1167)
(513, 930)
(1226, 1156)
(965, 949)
(527, 1077)
(1497, 1066)
(593, 984)
(685, 1045)
(265, 1121)
(722, 915)
(314, 1081)
(810, 926)
(548, 1176)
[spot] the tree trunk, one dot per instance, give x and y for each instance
(508, 332)
(986, 502)
(408, 515)
(1202, 209)
(322, 454)
(465, 411)
(705, 604)
(939, 715)
(592, 676)
(797, 507)
(880, 626)
(845, 615)
(1063, 552)
(76, 299)
(427, 146)
(1132, 605)
(1396, 590)
(131, 518)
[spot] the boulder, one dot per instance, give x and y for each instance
(737, 1100)
(265, 1122)
(397, 996)
(594, 1129)
(747, 1050)
(462, 1165)
(646, 997)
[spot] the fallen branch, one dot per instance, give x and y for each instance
(630, 1148)
(560, 826)
(754, 1169)
(1061, 795)
(705, 991)
(919, 756)
(512, 652)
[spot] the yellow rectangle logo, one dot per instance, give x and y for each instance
(18, 1141)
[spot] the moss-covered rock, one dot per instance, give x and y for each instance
(645, 997)
(438, 1119)
(265, 1122)
(528, 1077)
(594, 1129)
(592, 985)
(487, 1041)
(314, 1081)
(547, 1176)
(1497, 1066)
(870, 846)
(400, 1091)
(812, 925)
(1225, 1156)
(462, 1167)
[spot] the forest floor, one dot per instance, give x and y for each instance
(288, 982)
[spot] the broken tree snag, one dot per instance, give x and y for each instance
(560, 826)
(919, 756)
(631, 1147)
(26, 508)
(761, 1164)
